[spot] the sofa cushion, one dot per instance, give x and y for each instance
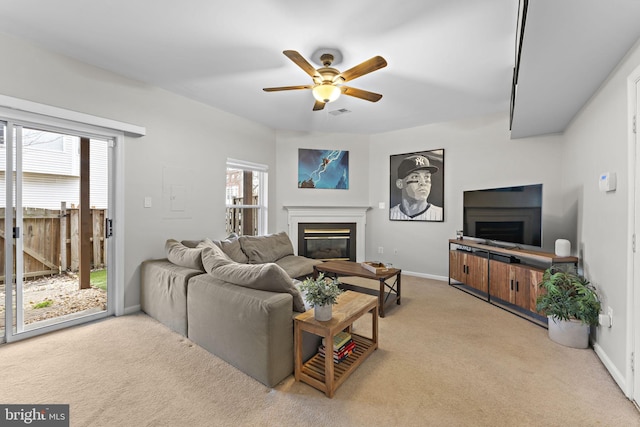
(266, 277)
(212, 256)
(298, 266)
(231, 247)
(190, 243)
(307, 305)
(180, 255)
(268, 248)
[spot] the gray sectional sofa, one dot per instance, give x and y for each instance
(236, 298)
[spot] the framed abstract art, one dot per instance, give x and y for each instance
(327, 169)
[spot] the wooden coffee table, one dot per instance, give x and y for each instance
(388, 292)
(321, 372)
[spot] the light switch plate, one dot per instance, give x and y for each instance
(607, 181)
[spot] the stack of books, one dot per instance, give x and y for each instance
(343, 346)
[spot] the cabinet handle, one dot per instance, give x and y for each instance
(511, 284)
(517, 286)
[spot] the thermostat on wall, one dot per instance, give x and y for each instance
(608, 181)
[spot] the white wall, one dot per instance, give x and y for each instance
(287, 191)
(596, 142)
(186, 141)
(478, 153)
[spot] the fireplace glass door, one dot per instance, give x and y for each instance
(327, 241)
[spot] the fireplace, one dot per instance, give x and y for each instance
(327, 241)
(330, 215)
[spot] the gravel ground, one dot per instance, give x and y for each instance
(63, 290)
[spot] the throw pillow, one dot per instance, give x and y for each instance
(266, 277)
(179, 254)
(231, 247)
(269, 248)
(190, 243)
(212, 256)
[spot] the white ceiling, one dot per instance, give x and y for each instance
(447, 59)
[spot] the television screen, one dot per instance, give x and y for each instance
(507, 214)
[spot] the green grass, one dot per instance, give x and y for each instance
(99, 279)
(43, 304)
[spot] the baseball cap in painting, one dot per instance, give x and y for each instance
(414, 163)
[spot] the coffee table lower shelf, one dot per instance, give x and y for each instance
(313, 370)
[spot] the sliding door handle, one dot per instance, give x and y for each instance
(108, 227)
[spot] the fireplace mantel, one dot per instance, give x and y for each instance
(329, 214)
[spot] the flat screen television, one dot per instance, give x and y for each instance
(504, 215)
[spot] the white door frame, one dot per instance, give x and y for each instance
(632, 379)
(62, 121)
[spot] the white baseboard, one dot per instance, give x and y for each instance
(132, 309)
(617, 376)
(426, 276)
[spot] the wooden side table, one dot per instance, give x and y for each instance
(321, 372)
(387, 293)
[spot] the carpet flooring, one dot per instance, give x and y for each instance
(445, 359)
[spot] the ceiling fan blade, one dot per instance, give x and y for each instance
(301, 62)
(275, 89)
(319, 105)
(366, 67)
(362, 94)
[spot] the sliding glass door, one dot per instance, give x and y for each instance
(54, 228)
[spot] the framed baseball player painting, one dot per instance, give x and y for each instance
(416, 187)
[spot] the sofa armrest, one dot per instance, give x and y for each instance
(250, 329)
(163, 292)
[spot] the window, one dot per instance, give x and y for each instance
(246, 198)
(43, 140)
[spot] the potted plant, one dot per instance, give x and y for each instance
(571, 304)
(321, 293)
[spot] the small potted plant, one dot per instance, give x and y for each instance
(572, 306)
(321, 293)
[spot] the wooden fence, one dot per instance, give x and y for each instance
(51, 242)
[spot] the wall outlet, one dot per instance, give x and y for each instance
(604, 320)
(380, 250)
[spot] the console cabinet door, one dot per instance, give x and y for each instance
(500, 284)
(521, 286)
(535, 277)
(457, 269)
(515, 284)
(469, 269)
(477, 270)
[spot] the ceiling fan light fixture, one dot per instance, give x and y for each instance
(326, 92)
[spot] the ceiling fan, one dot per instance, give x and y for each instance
(328, 82)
